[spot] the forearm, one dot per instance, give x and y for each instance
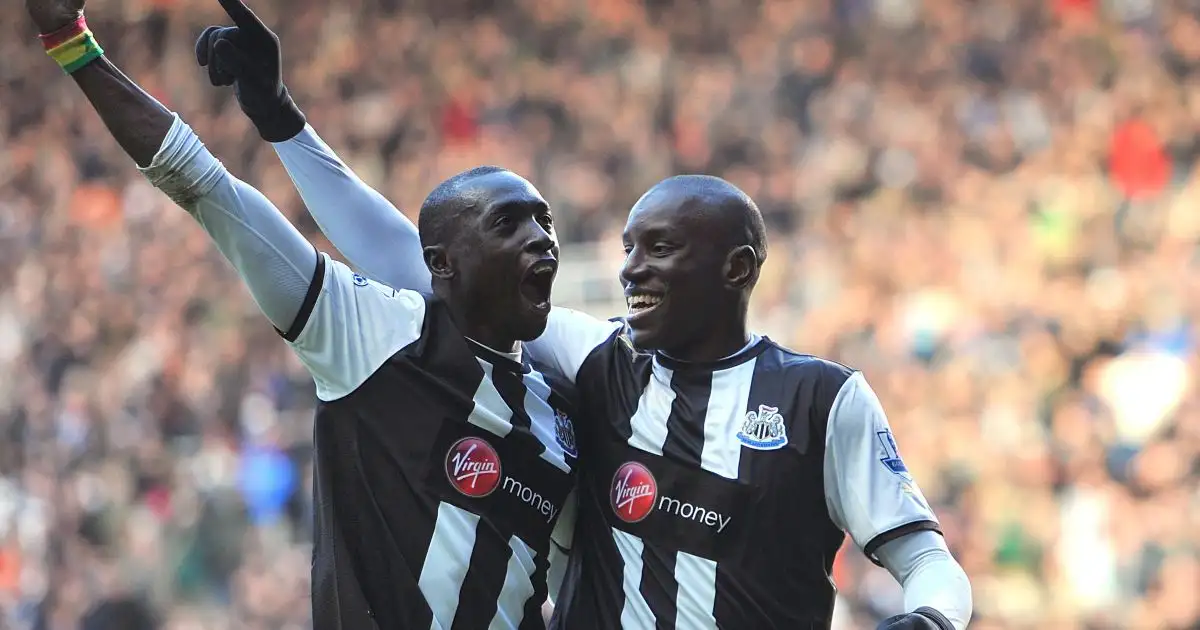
(930, 576)
(137, 121)
(360, 222)
(274, 260)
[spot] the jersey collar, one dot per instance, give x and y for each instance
(511, 361)
(756, 346)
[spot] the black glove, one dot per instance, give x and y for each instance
(247, 57)
(923, 618)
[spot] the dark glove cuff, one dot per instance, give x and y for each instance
(935, 616)
(281, 124)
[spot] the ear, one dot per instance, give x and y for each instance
(437, 259)
(741, 268)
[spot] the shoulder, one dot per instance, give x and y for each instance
(572, 338)
(618, 346)
(811, 367)
(350, 325)
(812, 383)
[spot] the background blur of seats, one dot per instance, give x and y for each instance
(988, 206)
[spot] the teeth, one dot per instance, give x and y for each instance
(639, 302)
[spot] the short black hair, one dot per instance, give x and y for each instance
(445, 206)
(730, 204)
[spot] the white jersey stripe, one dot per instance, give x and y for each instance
(636, 612)
(446, 562)
(518, 587)
(541, 419)
(649, 427)
(726, 411)
(490, 411)
(697, 579)
(649, 422)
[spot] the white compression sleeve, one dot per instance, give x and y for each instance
(930, 576)
(274, 260)
(360, 222)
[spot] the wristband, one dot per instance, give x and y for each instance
(72, 46)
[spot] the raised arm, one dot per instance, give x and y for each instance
(276, 262)
(361, 223)
(341, 325)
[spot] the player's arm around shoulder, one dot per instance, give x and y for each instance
(871, 495)
(348, 326)
(570, 338)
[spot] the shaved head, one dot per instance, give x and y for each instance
(733, 212)
(448, 203)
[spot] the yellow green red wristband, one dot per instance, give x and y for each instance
(72, 46)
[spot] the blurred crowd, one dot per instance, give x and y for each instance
(989, 206)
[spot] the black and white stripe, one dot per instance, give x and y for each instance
(400, 545)
(501, 590)
(700, 407)
(676, 566)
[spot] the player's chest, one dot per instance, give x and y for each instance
(692, 459)
(511, 459)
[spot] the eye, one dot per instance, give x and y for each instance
(546, 221)
(662, 249)
(502, 221)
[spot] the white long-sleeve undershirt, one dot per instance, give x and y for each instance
(930, 576)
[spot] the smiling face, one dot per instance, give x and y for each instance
(497, 265)
(688, 271)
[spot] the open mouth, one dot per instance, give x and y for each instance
(537, 283)
(640, 303)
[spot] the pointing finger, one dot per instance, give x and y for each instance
(242, 15)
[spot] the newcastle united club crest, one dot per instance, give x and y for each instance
(564, 433)
(763, 430)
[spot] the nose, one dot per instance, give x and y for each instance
(635, 269)
(538, 238)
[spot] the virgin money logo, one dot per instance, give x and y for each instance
(473, 467)
(634, 492)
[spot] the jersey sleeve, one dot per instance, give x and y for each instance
(360, 222)
(349, 326)
(868, 490)
(569, 338)
(273, 259)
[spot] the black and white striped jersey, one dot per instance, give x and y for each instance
(716, 495)
(442, 467)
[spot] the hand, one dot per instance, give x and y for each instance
(51, 15)
(247, 56)
(923, 618)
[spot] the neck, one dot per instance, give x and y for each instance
(713, 347)
(485, 335)
(479, 331)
